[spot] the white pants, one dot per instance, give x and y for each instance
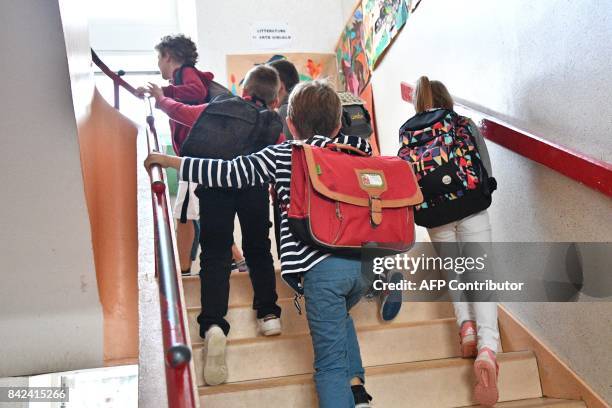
(193, 206)
(475, 228)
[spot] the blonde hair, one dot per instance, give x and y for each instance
(315, 109)
(431, 94)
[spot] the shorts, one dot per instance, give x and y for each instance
(193, 206)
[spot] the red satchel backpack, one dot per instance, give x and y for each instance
(345, 203)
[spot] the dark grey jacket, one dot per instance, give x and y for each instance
(482, 148)
(282, 112)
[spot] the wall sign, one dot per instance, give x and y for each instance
(309, 66)
(270, 35)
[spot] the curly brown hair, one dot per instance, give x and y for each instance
(180, 48)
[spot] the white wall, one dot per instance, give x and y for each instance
(50, 315)
(134, 25)
(225, 27)
(348, 6)
(493, 62)
(543, 67)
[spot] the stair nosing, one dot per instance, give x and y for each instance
(548, 400)
(192, 309)
(233, 274)
(370, 371)
(240, 305)
(368, 328)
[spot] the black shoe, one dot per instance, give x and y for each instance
(362, 398)
(391, 300)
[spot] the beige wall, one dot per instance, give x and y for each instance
(107, 142)
(225, 27)
(68, 298)
(50, 314)
(543, 67)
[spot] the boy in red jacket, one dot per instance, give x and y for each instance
(176, 59)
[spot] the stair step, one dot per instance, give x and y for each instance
(242, 318)
(284, 355)
(539, 403)
(241, 291)
(435, 383)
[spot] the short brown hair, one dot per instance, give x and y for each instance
(262, 82)
(314, 109)
(180, 48)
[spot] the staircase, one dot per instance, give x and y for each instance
(412, 362)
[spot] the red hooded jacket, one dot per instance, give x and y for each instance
(188, 86)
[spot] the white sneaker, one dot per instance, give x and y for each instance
(269, 325)
(215, 369)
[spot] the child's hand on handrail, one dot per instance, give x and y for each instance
(155, 91)
(163, 160)
(141, 91)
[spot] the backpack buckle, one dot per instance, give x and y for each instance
(375, 211)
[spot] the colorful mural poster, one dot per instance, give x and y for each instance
(354, 72)
(309, 66)
(382, 20)
(368, 97)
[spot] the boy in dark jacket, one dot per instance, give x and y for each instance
(289, 79)
(218, 208)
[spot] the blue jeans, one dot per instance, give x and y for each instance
(331, 289)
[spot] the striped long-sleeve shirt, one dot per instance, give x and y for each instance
(272, 164)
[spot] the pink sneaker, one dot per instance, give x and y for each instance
(486, 370)
(469, 339)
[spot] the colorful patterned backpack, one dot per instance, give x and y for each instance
(439, 145)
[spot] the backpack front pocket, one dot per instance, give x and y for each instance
(444, 179)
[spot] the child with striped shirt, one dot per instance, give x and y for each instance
(331, 284)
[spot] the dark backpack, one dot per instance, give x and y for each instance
(356, 119)
(440, 147)
(230, 127)
(214, 88)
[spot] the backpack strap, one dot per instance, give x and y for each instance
(178, 80)
(340, 147)
(488, 184)
(178, 75)
(256, 99)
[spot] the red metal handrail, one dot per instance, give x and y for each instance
(179, 381)
(594, 173)
(116, 77)
(177, 354)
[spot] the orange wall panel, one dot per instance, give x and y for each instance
(108, 154)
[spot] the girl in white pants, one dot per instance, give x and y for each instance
(475, 228)
(477, 321)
